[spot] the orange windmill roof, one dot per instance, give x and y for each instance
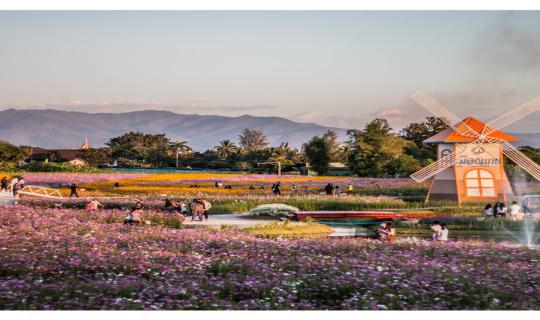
(450, 135)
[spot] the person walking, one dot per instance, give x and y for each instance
(206, 206)
(336, 191)
(525, 204)
(4, 183)
(73, 188)
(277, 189)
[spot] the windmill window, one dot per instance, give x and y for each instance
(479, 183)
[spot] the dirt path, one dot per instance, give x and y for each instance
(235, 219)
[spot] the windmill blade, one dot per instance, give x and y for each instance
(521, 160)
(444, 114)
(434, 168)
(441, 164)
(512, 116)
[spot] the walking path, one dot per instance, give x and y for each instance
(234, 219)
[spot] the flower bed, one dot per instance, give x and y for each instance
(59, 178)
(69, 259)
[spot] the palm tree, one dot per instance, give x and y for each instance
(179, 147)
(225, 149)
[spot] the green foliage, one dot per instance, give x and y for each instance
(376, 152)
(417, 133)
(56, 167)
(318, 153)
(6, 166)
(11, 153)
(225, 149)
(253, 139)
(140, 147)
(96, 156)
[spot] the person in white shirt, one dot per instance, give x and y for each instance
(13, 183)
(442, 235)
(514, 210)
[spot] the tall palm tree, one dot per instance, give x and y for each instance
(179, 147)
(225, 149)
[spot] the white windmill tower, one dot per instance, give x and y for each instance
(469, 164)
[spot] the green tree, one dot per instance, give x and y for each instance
(96, 156)
(225, 149)
(333, 144)
(140, 147)
(376, 151)
(417, 133)
(178, 148)
(252, 140)
(318, 154)
(12, 153)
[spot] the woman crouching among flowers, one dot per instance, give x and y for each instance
(134, 216)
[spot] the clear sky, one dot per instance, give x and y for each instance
(336, 68)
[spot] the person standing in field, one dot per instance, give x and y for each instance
(277, 189)
(349, 189)
(328, 189)
(5, 184)
(206, 206)
(12, 185)
(73, 189)
(514, 210)
(525, 205)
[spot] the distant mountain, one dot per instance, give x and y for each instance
(67, 129)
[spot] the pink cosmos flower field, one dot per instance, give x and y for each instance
(70, 259)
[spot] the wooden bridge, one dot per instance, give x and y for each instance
(37, 191)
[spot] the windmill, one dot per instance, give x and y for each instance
(469, 164)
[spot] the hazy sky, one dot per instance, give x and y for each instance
(336, 68)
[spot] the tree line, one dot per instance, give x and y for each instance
(374, 151)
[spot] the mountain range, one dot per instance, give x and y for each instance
(67, 129)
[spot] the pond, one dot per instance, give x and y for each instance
(366, 229)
